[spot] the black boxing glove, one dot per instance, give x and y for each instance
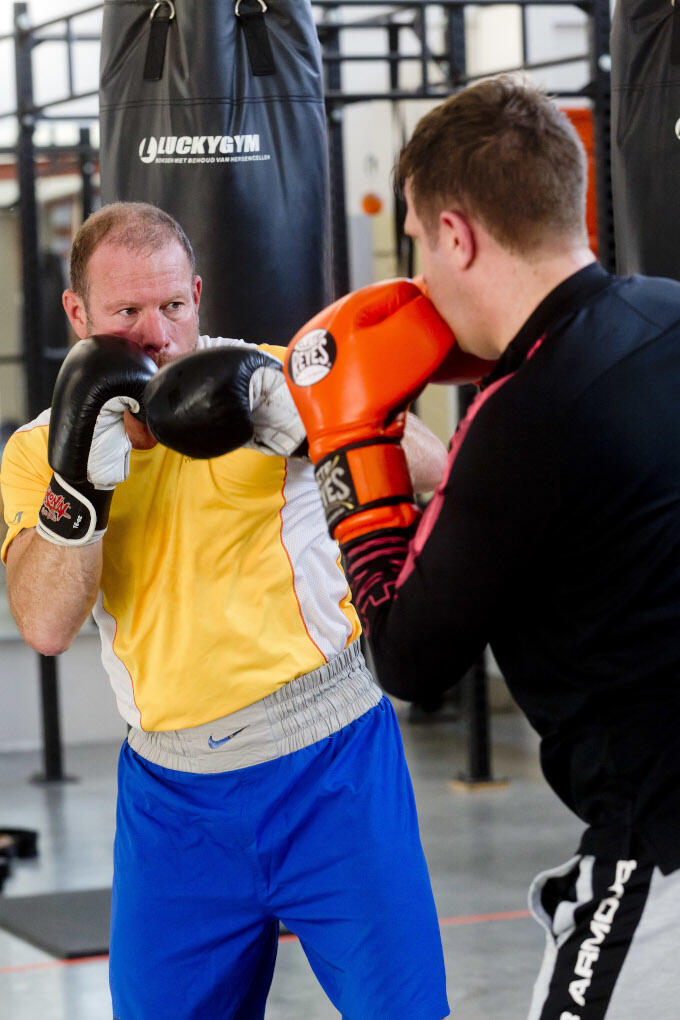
(88, 449)
(214, 401)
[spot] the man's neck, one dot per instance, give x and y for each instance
(526, 283)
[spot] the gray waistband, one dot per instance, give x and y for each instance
(301, 712)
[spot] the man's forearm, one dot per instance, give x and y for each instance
(51, 589)
(426, 455)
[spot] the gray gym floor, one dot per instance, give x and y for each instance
(483, 847)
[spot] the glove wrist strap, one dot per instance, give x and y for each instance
(368, 482)
(379, 518)
(73, 516)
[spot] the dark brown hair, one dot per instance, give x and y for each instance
(503, 153)
(137, 226)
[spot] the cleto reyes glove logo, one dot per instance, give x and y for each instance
(335, 487)
(55, 506)
(312, 358)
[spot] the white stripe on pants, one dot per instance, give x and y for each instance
(612, 941)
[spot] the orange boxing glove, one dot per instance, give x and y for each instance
(352, 371)
(457, 368)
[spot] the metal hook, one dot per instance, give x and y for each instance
(262, 4)
(160, 3)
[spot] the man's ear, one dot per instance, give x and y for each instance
(196, 288)
(458, 234)
(74, 307)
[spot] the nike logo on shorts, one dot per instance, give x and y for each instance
(217, 743)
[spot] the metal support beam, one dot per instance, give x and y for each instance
(36, 377)
(53, 766)
(403, 243)
(455, 45)
(330, 39)
(86, 163)
(600, 67)
(31, 311)
(476, 705)
(475, 684)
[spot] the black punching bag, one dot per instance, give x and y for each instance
(645, 142)
(214, 111)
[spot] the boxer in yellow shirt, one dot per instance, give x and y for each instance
(263, 777)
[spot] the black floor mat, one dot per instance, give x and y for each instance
(68, 925)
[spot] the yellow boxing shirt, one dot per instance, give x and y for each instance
(220, 582)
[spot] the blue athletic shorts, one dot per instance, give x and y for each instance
(325, 839)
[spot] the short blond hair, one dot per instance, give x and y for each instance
(137, 226)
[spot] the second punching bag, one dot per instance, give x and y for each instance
(645, 142)
(214, 111)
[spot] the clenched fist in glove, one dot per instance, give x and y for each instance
(88, 448)
(352, 371)
(214, 401)
(109, 460)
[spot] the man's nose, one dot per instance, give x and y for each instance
(151, 331)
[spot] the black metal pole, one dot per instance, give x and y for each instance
(86, 162)
(475, 685)
(403, 244)
(476, 704)
(49, 699)
(600, 88)
(455, 45)
(34, 362)
(32, 333)
(330, 39)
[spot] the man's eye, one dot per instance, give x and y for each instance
(127, 311)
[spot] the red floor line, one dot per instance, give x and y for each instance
(508, 915)
(44, 964)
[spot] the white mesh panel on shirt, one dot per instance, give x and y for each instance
(117, 673)
(319, 583)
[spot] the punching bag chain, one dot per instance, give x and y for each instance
(250, 14)
(162, 13)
